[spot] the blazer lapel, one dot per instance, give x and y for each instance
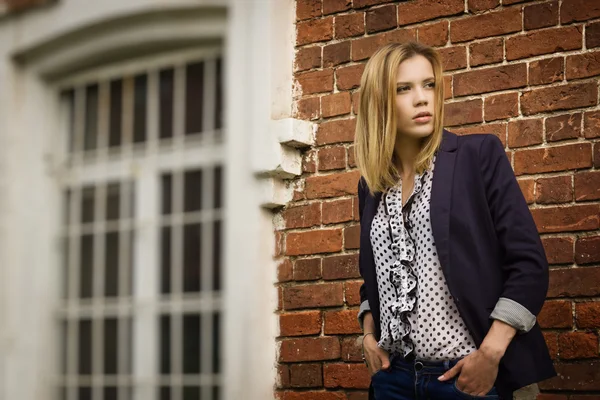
(441, 198)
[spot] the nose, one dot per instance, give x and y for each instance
(420, 97)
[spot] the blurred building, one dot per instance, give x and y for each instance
(142, 144)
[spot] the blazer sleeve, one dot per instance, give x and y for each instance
(364, 303)
(524, 259)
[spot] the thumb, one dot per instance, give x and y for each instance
(385, 361)
(452, 372)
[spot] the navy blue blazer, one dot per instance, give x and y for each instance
(488, 246)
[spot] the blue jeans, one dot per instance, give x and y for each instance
(417, 380)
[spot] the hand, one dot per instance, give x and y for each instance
(376, 357)
(478, 372)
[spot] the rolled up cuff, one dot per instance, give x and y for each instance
(514, 314)
(364, 307)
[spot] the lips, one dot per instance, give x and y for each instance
(422, 114)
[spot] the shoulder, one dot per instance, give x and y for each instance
(480, 146)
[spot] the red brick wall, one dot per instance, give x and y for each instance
(526, 71)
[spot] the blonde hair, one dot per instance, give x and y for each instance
(376, 126)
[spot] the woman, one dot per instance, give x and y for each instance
(454, 270)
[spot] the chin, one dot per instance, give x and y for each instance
(419, 131)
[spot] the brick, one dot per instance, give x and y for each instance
(352, 292)
(498, 129)
(592, 35)
(313, 242)
(351, 157)
(525, 132)
(337, 211)
(551, 339)
(583, 65)
(279, 298)
(486, 52)
(336, 54)
(315, 82)
(308, 58)
(306, 9)
(335, 185)
(352, 237)
(364, 48)
(381, 18)
(548, 70)
(527, 187)
(349, 77)
(448, 91)
(578, 10)
(356, 211)
(284, 271)
(343, 322)
(559, 250)
(478, 6)
(572, 282)
(335, 6)
(483, 26)
(563, 127)
(552, 159)
(567, 219)
(306, 375)
(597, 155)
(341, 267)
(347, 376)
(588, 314)
(352, 349)
(546, 41)
(572, 345)
(307, 269)
(355, 102)
(366, 3)
(463, 112)
(308, 108)
(490, 79)
(557, 189)
(453, 58)
(435, 34)
(313, 296)
(309, 349)
(335, 104)
(548, 396)
(279, 240)
(308, 395)
(309, 161)
(332, 158)
(556, 314)
(509, 2)
(338, 131)
(317, 30)
(587, 186)
(587, 250)
(300, 323)
(591, 124)
(283, 376)
(425, 10)
(561, 97)
(303, 216)
(501, 106)
(349, 25)
(540, 15)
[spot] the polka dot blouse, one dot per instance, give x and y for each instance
(418, 314)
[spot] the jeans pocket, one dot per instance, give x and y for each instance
(492, 394)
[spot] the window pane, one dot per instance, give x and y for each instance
(65, 262)
(111, 268)
(166, 187)
(216, 393)
(64, 332)
(219, 96)
(110, 393)
(218, 187)
(85, 347)
(113, 200)
(68, 99)
(216, 254)
(87, 204)
(91, 118)
(191, 258)
(139, 117)
(116, 113)
(85, 393)
(86, 269)
(111, 347)
(191, 393)
(191, 344)
(216, 343)
(166, 103)
(193, 191)
(165, 344)
(165, 393)
(165, 241)
(194, 93)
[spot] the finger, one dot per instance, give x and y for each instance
(452, 372)
(385, 361)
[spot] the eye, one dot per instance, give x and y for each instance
(431, 84)
(401, 89)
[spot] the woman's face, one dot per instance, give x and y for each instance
(415, 94)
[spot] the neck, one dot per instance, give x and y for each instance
(406, 151)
